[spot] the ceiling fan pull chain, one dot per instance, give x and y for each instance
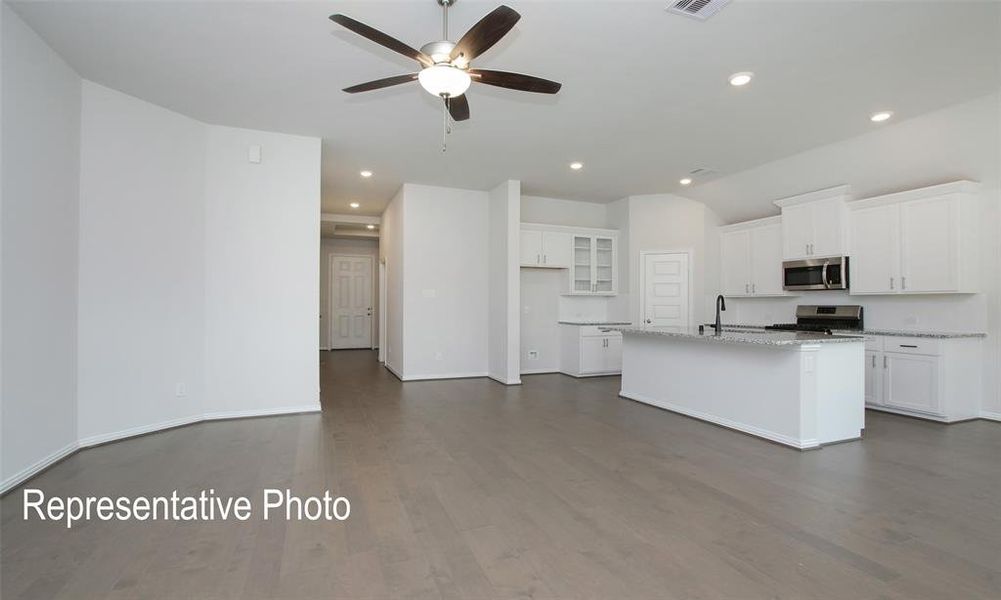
(444, 125)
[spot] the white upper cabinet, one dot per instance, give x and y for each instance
(545, 249)
(815, 224)
(736, 252)
(531, 248)
(766, 260)
(874, 266)
(556, 249)
(593, 269)
(929, 245)
(752, 258)
(589, 255)
(917, 242)
(797, 231)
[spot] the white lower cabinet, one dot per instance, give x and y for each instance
(932, 378)
(911, 382)
(588, 351)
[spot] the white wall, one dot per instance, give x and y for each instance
(262, 248)
(350, 246)
(391, 253)
(504, 290)
(38, 318)
(445, 279)
(141, 284)
(958, 142)
(672, 223)
(160, 277)
(572, 213)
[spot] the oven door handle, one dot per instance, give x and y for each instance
(823, 275)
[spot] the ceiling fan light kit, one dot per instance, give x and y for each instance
(445, 66)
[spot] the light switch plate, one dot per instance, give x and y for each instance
(254, 154)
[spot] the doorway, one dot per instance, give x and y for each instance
(350, 301)
(665, 284)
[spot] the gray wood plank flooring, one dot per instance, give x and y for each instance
(557, 488)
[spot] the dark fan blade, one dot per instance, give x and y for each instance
(382, 39)
(485, 34)
(378, 84)
(515, 81)
(458, 107)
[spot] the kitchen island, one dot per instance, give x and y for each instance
(799, 389)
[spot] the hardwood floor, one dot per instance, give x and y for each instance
(553, 489)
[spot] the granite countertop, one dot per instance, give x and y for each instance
(886, 332)
(741, 336)
(592, 322)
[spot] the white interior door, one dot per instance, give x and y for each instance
(665, 290)
(350, 301)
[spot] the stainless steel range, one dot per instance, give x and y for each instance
(824, 319)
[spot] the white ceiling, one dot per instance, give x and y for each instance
(645, 98)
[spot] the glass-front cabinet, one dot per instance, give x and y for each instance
(593, 269)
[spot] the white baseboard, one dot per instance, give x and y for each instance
(505, 380)
(323, 348)
(538, 371)
(990, 415)
(94, 440)
(429, 377)
(265, 412)
(30, 471)
(114, 436)
(392, 370)
(763, 433)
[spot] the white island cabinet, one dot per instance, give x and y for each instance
(799, 389)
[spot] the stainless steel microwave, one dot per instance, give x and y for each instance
(816, 274)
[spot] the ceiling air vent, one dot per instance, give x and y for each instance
(697, 9)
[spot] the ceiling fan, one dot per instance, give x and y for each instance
(445, 66)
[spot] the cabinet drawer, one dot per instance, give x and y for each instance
(908, 345)
(874, 343)
(596, 331)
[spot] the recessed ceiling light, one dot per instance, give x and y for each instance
(576, 166)
(881, 116)
(685, 180)
(370, 226)
(742, 78)
(354, 205)
(366, 173)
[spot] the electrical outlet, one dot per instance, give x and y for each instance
(180, 390)
(533, 355)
